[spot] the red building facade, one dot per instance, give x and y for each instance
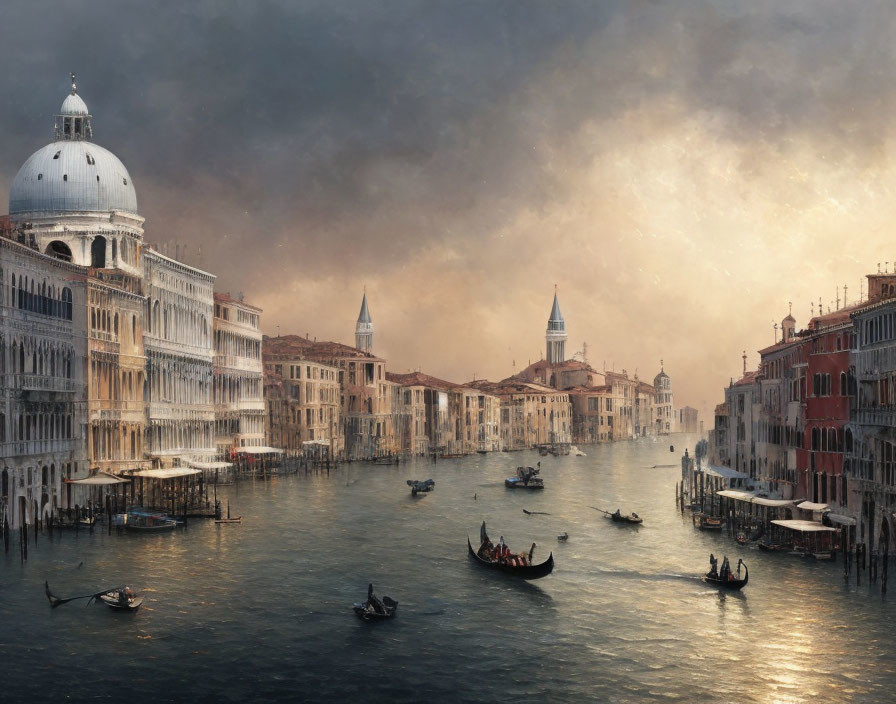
(825, 393)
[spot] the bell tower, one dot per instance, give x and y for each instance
(555, 335)
(364, 328)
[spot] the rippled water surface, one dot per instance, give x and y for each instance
(261, 611)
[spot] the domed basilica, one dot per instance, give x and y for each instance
(108, 345)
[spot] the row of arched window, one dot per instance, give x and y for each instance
(830, 440)
(41, 298)
(42, 358)
(38, 426)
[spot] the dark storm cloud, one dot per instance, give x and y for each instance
(444, 145)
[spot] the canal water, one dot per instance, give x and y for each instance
(261, 611)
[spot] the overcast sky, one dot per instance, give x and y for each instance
(681, 170)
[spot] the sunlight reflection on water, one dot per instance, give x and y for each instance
(262, 610)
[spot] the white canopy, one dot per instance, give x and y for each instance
(753, 499)
(172, 473)
(773, 502)
(805, 526)
(736, 495)
(809, 506)
(840, 519)
(99, 479)
(325, 443)
(259, 450)
(726, 472)
(210, 465)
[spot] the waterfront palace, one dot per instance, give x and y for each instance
(119, 360)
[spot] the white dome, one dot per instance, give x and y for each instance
(73, 105)
(72, 176)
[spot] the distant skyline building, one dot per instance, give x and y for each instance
(555, 336)
(364, 328)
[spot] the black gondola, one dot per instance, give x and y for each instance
(734, 584)
(113, 600)
(420, 487)
(367, 613)
(632, 519)
(527, 572)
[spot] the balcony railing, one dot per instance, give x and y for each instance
(37, 447)
(241, 405)
(876, 416)
(39, 382)
(229, 361)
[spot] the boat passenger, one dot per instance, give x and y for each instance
(373, 602)
(617, 514)
(123, 597)
(713, 566)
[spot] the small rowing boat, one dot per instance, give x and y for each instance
(374, 609)
(526, 478)
(421, 487)
(630, 519)
(122, 600)
(729, 582)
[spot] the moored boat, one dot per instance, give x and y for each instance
(704, 522)
(773, 547)
(145, 521)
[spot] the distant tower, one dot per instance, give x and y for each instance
(556, 334)
(364, 328)
(788, 326)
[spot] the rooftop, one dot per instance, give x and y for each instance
(421, 379)
(298, 347)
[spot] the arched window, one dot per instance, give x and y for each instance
(98, 252)
(67, 303)
(844, 389)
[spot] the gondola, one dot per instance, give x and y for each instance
(733, 584)
(526, 478)
(111, 600)
(527, 572)
(367, 613)
(704, 522)
(631, 519)
(773, 547)
(420, 487)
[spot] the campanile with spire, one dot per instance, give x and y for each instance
(364, 328)
(556, 334)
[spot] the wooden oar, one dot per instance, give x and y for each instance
(56, 601)
(601, 510)
(536, 513)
